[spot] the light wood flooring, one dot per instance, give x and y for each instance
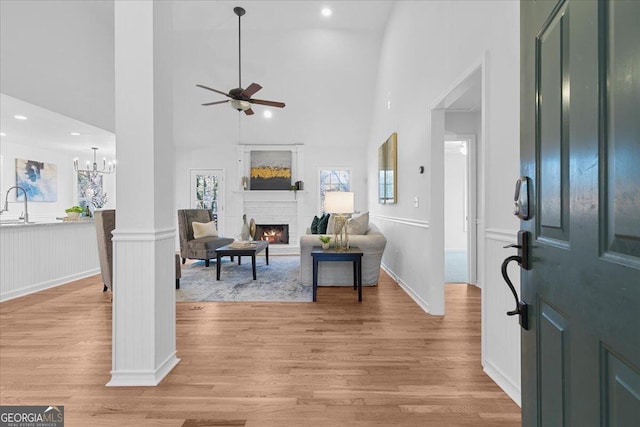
(383, 362)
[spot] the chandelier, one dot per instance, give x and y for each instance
(93, 168)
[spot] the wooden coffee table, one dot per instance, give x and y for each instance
(251, 251)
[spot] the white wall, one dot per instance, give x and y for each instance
(426, 48)
(225, 156)
(59, 55)
(67, 188)
(455, 232)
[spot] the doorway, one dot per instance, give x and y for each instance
(460, 209)
(458, 114)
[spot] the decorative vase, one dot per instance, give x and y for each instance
(326, 245)
(245, 234)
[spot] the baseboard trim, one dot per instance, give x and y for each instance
(511, 389)
(142, 378)
(17, 293)
(415, 297)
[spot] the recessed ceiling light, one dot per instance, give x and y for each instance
(74, 133)
(19, 117)
(3, 134)
(326, 12)
(267, 114)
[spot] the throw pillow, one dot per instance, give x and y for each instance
(330, 225)
(358, 224)
(324, 221)
(314, 224)
(204, 229)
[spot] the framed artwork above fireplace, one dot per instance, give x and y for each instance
(269, 167)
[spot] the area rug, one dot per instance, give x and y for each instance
(277, 281)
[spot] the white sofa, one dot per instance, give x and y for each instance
(372, 243)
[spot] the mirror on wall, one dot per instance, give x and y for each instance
(387, 171)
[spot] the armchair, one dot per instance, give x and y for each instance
(105, 220)
(203, 248)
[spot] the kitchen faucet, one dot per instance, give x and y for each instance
(6, 202)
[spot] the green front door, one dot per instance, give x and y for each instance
(580, 145)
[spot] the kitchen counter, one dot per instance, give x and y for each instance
(19, 223)
(44, 254)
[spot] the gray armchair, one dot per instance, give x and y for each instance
(203, 248)
(105, 221)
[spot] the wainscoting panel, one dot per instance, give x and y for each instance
(144, 337)
(500, 333)
(406, 256)
(39, 256)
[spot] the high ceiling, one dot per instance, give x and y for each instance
(198, 15)
(45, 129)
(323, 68)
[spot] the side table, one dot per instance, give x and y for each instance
(352, 254)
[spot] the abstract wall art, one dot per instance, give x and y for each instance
(39, 179)
(270, 170)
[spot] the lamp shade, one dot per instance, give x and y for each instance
(338, 202)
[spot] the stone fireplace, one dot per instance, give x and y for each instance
(276, 234)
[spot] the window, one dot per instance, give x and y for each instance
(206, 191)
(333, 180)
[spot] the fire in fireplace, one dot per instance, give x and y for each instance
(276, 234)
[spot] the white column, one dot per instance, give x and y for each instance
(436, 214)
(144, 336)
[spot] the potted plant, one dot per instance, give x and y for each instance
(74, 212)
(325, 241)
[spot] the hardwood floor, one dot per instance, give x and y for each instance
(383, 362)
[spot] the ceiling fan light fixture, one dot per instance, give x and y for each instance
(240, 105)
(239, 98)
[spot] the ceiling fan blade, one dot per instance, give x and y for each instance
(248, 111)
(215, 90)
(253, 88)
(269, 103)
(217, 102)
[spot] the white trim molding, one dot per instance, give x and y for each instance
(143, 378)
(512, 390)
(139, 235)
(405, 221)
(418, 300)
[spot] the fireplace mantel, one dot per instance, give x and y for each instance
(271, 195)
(275, 206)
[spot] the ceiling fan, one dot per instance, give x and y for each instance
(239, 98)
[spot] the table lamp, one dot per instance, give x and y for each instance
(339, 204)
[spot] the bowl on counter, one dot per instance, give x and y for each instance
(73, 215)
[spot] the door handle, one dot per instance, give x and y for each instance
(522, 309)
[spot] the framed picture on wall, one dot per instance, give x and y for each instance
(270, 170)
(39, 180)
